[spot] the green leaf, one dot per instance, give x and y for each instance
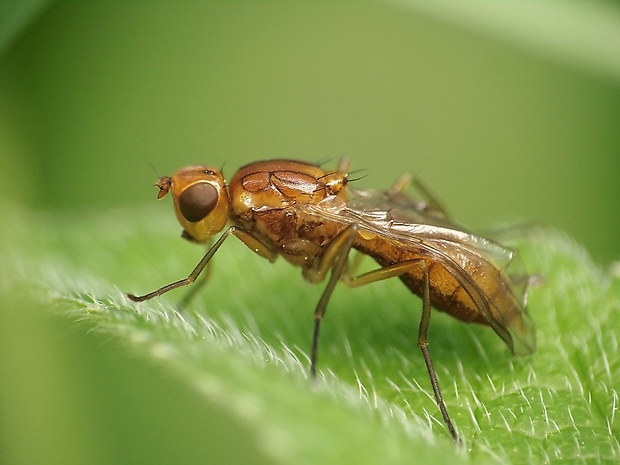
(243, 345)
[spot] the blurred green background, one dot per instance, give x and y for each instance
(92, 94)
(504, 112)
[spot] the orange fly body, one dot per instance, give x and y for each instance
(309, 216)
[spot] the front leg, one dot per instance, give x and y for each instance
(244, 236)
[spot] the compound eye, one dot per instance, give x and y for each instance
(197, 201)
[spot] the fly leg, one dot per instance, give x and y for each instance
(250, 241)
(432, 204)
(195, 289)
(423, 343)
(395, 270)
(244, 236)
(334, 258)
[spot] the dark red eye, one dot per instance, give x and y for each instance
(197, 201)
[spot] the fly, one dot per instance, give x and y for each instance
(309, 216)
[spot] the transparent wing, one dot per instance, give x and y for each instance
(400, 217)
(478, 264)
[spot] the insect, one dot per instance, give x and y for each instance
(309, 216)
